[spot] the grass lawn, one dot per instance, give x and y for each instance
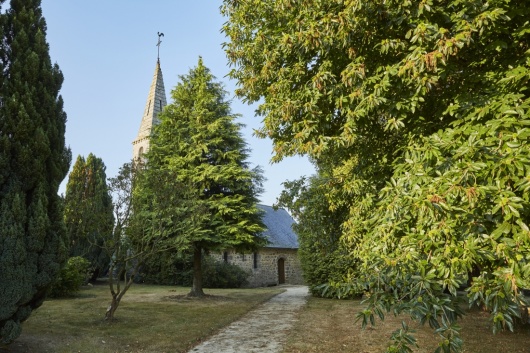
(329, 326)
(150, 319)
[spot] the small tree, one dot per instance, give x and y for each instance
(116, 246)
(199, 142)
(149, 213)
(88, 212)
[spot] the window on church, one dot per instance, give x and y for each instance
(160, 101)
(140, 151)
(225, 257)
(255, 260)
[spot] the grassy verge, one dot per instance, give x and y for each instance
(326, 325)
(149, 319)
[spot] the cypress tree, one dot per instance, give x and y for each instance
(33, 162)
(89, 212)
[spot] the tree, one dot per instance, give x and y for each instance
(427, 104)
(89, 212)
(152, 212)
(323, 256)
(200, 143)
(33, 162)
(124, 263)
(117, 246)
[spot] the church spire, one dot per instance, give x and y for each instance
(156, 101)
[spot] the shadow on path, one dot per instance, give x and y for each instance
(261, 330)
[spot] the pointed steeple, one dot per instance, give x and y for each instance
(156, 101)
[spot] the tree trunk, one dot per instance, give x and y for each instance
(117, 291)
(196, 289)
(109, 315)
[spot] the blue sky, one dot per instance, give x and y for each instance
(107, 53)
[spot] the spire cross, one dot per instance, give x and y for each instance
(158, 44)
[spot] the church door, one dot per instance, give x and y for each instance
(281, 271)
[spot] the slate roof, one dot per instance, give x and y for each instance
(279, 228)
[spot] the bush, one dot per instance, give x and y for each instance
(71, 277)
(166, 269)
(173, 270)
(326, 272)
(217, 274)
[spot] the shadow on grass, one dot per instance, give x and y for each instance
(150, 319)
(329, 325)
(206, 297)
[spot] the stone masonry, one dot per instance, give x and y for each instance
(156, 101)
(265, 270)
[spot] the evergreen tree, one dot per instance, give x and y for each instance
(199, 141)
(33, 162)
(89, 212)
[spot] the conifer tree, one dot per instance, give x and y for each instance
(199, 141)
(33, 162)
(89, 212)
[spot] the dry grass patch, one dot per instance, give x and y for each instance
(327, 325)
(149, 319)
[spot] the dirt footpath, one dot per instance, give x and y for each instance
(261, 330)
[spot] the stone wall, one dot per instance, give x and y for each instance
(263, 265)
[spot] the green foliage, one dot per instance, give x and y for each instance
(418, 114)
(220, 274)
(199, 143)
(325, 261)
(151, 210)
(33, 163)
(126, 246)
(167, 268)
(164, 213)
(89, 212)
(458, 205)
(170, 269)
(72, 276)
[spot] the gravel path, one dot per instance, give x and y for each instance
(261, 330)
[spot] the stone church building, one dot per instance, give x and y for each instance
(276, 263)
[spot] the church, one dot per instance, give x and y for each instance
(276, 263)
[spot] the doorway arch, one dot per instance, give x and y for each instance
(281, 270)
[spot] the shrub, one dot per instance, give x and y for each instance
(174, 270)
(71, 277)
(167, 269)
(216, 274)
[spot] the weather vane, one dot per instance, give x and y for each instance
(160, 34)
